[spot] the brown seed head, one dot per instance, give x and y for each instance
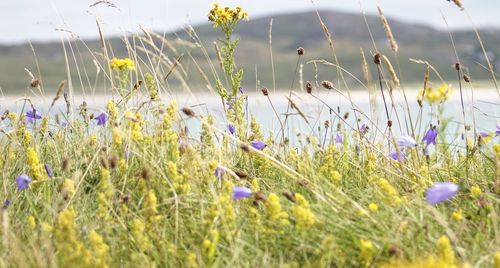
(327, 84)
(289, 195)
(265, 91)
(376, 58)
(389, 123)
(188, 111)
(300, 51)
(244, 146)
(241, 174)
(303, 182)
(260, 196)
(457, 66)
(309, 87)
(145, 173)
(35, 82)
(113, 161)
(65, 164)
(466, 78)
(327, 124)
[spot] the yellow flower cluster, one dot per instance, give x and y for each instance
(100, 249)
(390, 193)
(226, 16)
(445, 251)
(210, 245)
(457, 215)
(113, 114)
(180, 184)
(122, 64)
(71, 248)
(366, 249)
(138, 233)
(274, 211)
(151, 210)
(440, 94)
(34, 163)
(303, 215)
(475, 191)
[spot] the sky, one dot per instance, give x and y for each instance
(45, 20)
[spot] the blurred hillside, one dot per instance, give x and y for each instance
(349, 31)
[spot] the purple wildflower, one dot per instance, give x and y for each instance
(484, 134)
(364, 129)
(219, 172)
(6, 204)
(406, 141)
(231, 128)
(497, 131)
(127, 154)
(33, 115)
(241, 192)
(430, 136)
(23, 182)
(440, 192)
(229, 106)
(48, 170)
(339, 138)
(259, 145)
(242, 90)
(398, 155)
(101, 119)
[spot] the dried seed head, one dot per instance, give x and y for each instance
(113, 161)
(457, 66)
(388, 31)
(458, 3)
(394, 251)
(65, 164)
(244, 146)
(241, 174)
(391, 71)
(300, 51)
(327, 84)
(145, 173)
(265, 91)
(125, 198)
(188, 111)
(376, 58)
(327, 124)
(303, 182)
(466, 78)
(289, 195)
(389, 123)
(260, 196)
(346, 115)
(309, 87)
(35, 82)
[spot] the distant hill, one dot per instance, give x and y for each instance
(289, 31)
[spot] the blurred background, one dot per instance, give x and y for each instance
(422, 28)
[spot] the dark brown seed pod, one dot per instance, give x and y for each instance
(289, 195)
(188, 111)
(265, 91)
(244, 146)
(300, 51)
(65, 164)
(145, 173)
(309, 87)
(376, 58)
(457, 66)
(241, 174)
(35, 82)
(260, 196)
(466, 78)
(113, 161)
(327, 124)
(327, 84)
(389, 123)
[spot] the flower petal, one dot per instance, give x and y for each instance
(440, 192)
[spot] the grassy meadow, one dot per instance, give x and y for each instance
(131, 186)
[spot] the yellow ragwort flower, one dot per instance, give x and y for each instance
(122, 64)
